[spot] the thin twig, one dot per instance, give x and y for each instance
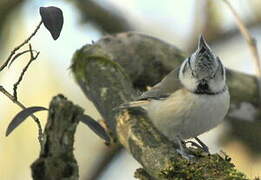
(251, 44)
(19, 46)
(24, 70)
(18, 55)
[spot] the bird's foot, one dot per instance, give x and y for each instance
(199, 145)
(185, 154)
(203, 145)
(182, 150)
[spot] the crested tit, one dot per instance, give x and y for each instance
(197, 104)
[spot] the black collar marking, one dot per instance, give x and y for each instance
(201, 90)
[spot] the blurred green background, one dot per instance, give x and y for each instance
(177, 22)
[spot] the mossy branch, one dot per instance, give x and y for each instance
(109, 70)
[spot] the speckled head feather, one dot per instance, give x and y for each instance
(203, 62)
(203, 72)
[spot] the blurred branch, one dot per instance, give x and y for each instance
(6, 8)
(109, 20)
(107, 71)
(248, 133)
(206, 21)
(104, 161)
(56, 160)
(212, 23)
(255, 7)
(214, 32)
(251, 44)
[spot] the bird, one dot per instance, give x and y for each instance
(189, 101)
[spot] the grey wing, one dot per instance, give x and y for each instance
(164, 88)
(160, 91)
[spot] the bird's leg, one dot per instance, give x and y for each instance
(182, 149)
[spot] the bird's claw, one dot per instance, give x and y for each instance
(185, 154)
(199, 145)
(182, 150)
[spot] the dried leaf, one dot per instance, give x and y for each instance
(21, 116)
(52, 18)
(95, 127)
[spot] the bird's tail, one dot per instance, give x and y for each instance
(133, 104)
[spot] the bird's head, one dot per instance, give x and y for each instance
(203, 72)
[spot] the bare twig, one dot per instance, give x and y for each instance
(12, 98)
(24, 70)
(250, 41)
(12, 57)
(18, 55)
(19, 46)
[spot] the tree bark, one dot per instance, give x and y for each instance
(109, 70)
(56, 159)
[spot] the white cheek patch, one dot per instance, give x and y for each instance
(186, 78)
(189, 82)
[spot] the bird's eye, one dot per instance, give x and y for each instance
(213, 75)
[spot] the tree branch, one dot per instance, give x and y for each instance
(6, 8)
(109, 20)
(251, 41)
(105, 160)
(107, 72)
(56, 159)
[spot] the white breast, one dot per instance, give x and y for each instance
(187, 114)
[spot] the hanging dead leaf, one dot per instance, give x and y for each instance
(95, 127)
(52, 18)
(21, 116)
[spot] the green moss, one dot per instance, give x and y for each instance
(86, 55)
(208, 167)
(141, 174)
